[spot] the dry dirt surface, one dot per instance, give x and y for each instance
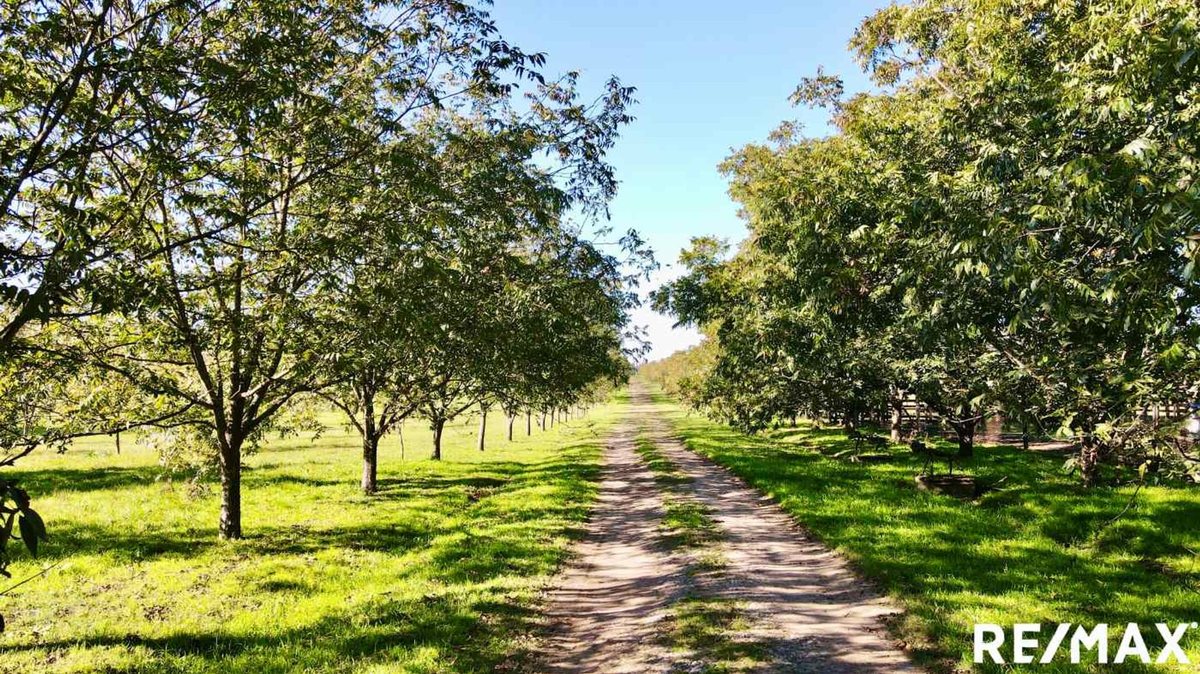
(607, 606)
(805, 606)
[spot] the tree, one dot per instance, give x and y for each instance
(224, 325)
(86, 86)
(1077, 156)
(1009, 220)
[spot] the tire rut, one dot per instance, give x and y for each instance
(607, 607)
(807, 606)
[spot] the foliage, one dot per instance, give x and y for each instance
(681, 372)
(213, 210)
(17, 520)
(1007, 225)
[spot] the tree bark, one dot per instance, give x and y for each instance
(512, 418)
(528, 422)
(438, 426)
(483, 414)
(897, 416)
(230, 526)
(370, 463)
(966, 438)
(370, 438)
(1089, 459)
(118, 443)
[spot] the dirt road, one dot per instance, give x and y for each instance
(802, 603)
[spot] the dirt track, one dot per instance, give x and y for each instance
(805, 606)
(608, 604)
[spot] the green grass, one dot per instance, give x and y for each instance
(704, 626)
(1035, 551)
(439, 572)
(666, 474)
(686, 523)
(689, 524)
(707, 628)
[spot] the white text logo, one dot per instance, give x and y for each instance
(1030, 643)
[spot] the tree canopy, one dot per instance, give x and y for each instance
(1007, 225)
(214, 210)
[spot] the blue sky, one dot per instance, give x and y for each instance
(711, 76)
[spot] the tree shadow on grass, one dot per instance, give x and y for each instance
(74, 538)
(377, 632)
(52, 480)
(478, 529)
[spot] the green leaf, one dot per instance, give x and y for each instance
(29, 534)
(36, 520)
(1138, 147)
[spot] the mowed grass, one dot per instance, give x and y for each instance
(1037, 551)
(439, 572)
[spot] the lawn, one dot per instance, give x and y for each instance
(1037, 551)
(439, 572)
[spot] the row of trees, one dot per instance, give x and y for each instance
(214, 209)
(1009, 224)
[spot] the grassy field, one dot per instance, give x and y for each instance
(436, 573)
(1035, 552)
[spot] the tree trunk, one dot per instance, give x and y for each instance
(897, 416)
(1024, 434)
(370, 440)
(528, 422)
(230, 526)
(118, 443)
(966, 438)
(438, 426)
(483, 412)
(1089, 459)
(370, 463)
(512, 418)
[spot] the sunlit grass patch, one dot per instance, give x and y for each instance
(1028, 553)
(438, 572)
(709, 629)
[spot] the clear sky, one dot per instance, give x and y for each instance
(711, 76)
